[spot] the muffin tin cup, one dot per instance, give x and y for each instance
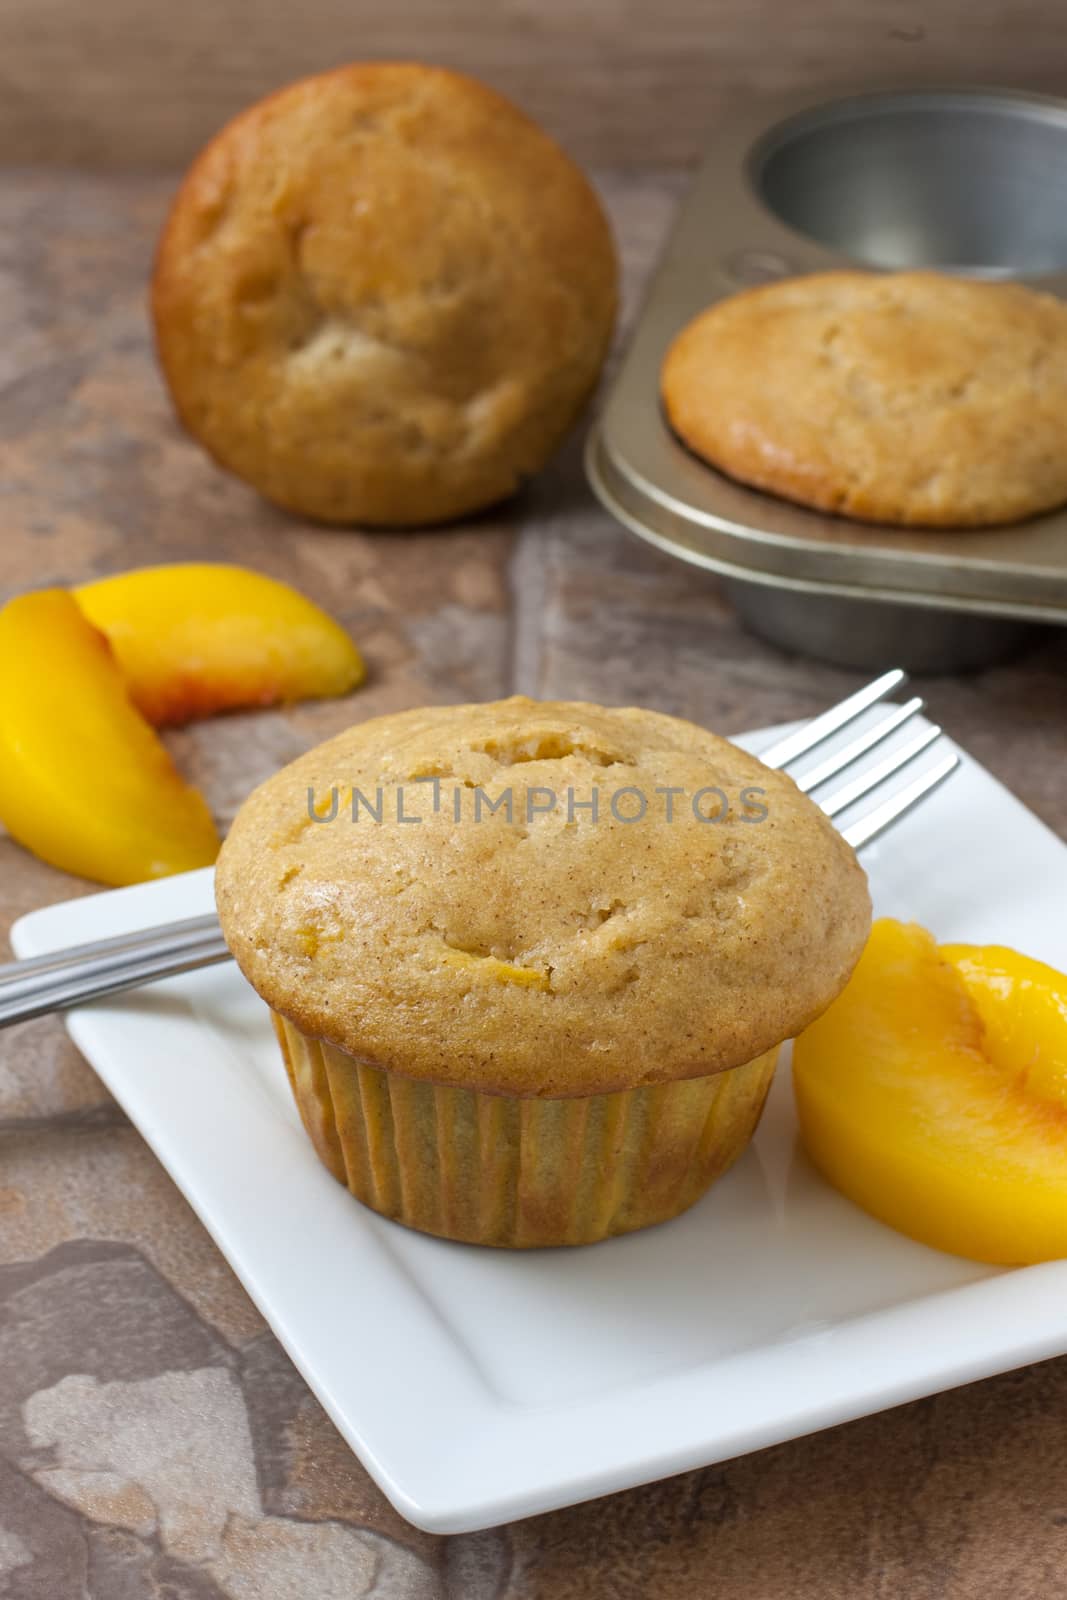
(960, 180)
(521, 1173)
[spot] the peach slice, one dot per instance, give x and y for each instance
(933, 1092)
(1022, 1006)
(201, 637)
(84, 781)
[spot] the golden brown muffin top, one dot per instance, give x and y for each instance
(553, 954)
(908, 397)
(382, 295)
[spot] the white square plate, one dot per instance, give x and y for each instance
(480, 1385)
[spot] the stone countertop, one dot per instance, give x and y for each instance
(154, 1439)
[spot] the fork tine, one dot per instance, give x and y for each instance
(813, 733)
(882, 816)
(874, 776)
(816, 776)
(899, 804)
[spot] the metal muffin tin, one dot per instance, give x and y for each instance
(968, 181)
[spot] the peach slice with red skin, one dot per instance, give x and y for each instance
(85, 782)
(197, 638)
(933, 1092)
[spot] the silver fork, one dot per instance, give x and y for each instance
(107, 966)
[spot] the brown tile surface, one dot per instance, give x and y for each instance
(154, 1441)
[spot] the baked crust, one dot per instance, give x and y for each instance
(908, 398)
(382, 295)
(549, 955)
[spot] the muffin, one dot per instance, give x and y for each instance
(907, 398)
(530, 963)
(382, 296)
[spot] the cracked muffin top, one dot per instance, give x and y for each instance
(908, 398)
(382, 295)
(540, 898)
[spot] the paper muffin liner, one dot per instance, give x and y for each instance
(500, 1170)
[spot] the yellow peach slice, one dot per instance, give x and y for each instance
(932, 1094)
(201, 637)
(84, 781)
(1022, 1005)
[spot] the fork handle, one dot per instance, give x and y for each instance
(52, 983)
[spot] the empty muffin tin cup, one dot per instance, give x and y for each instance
(965, 181)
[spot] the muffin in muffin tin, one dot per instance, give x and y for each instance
(910, 398)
